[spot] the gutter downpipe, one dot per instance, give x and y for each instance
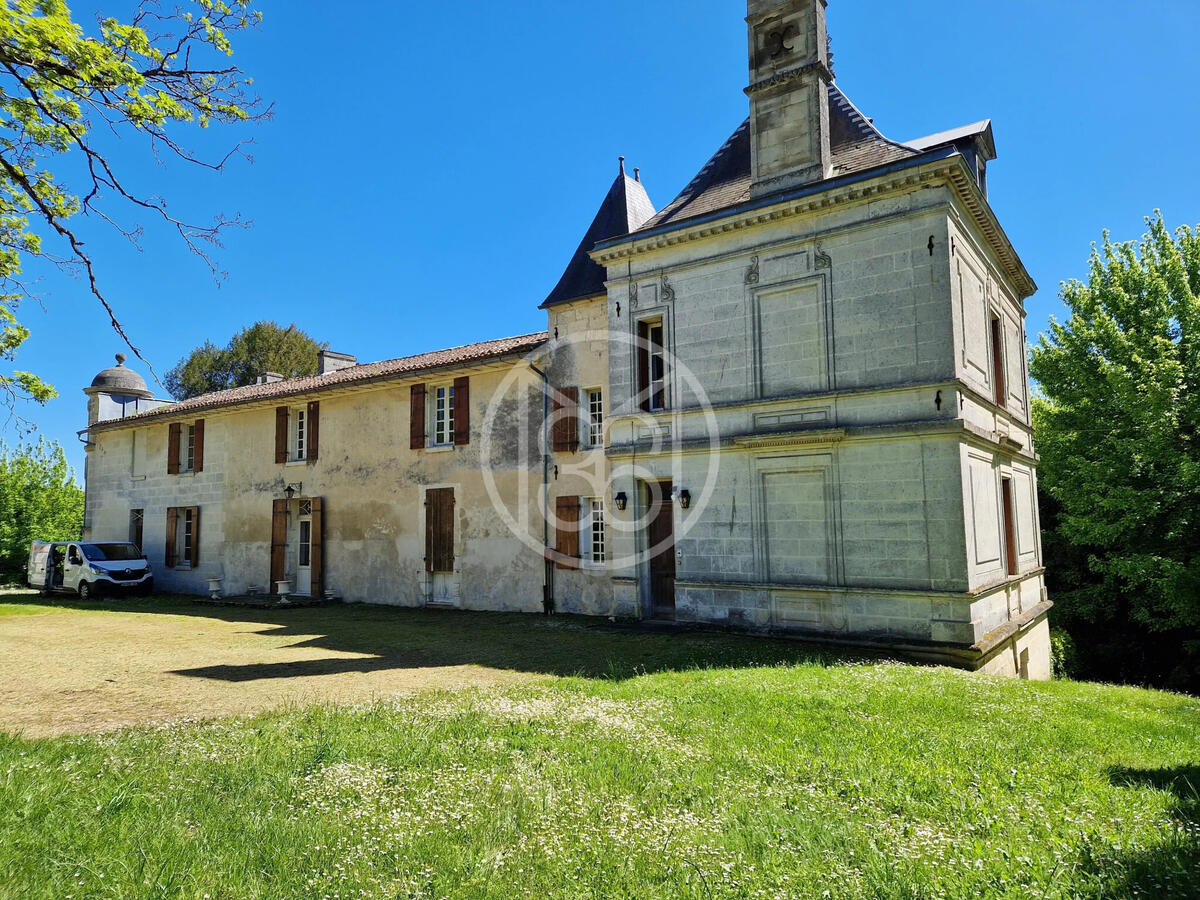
(547, 563)
(86, 441)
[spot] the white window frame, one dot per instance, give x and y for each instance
(298, 446)
(183, 556)
(597, 532)
(595, 417)
(187, 449)
(443, 415)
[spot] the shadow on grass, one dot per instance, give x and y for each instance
(1170, 870)
(389, 637)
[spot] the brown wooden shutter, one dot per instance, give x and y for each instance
(565, 430)
(281, 434)
(439, 530)
(462, 411)
(172, 558)
(279, 522)
(195, 560)
(643, 366)
(416, 417)
(198, 451)
(317, 552)
(313, 424)
(173, 448)
(1010, 527)
(566, 510)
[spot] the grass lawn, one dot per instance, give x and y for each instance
(579, 762)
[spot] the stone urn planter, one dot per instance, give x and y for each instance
(214, 588)
(283, 588)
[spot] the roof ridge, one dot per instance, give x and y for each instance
(461, 355)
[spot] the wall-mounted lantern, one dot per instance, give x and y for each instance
(621, 500)
(293, 489)
(685, 498)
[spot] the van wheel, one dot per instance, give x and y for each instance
(85, 591)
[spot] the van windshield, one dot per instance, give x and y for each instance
(96, 552)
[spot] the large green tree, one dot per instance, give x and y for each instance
(67, 93)
(263, 347)
(39, 500)
(1118, 428)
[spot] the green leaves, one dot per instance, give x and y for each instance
(57, 83)
(39, 500)
(263, 347)
(1119, 426)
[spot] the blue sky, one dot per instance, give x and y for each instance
(427, 174)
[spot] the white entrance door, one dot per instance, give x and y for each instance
(304, 551)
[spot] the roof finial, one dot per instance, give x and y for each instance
(637, 174)
(622, 159)
(120, 359)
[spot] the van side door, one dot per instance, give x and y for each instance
(75, 566)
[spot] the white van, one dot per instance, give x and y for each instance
(89, 568)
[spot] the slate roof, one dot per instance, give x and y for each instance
(307, 384)
(724, 181)
(624, 210)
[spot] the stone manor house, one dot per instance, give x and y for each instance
(792, 400)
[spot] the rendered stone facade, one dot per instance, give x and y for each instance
(809, 374)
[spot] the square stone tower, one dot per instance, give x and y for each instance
(789, 94)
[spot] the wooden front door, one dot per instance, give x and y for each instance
(439, 530)
(279, 530)
(660, 537)
(439, 545)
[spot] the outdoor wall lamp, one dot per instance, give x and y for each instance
(621, 500)
(685, 498)
(293, 489)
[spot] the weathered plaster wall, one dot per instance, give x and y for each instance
(373, 487)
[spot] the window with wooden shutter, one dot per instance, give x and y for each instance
(281, 434)
(566, 510)
(314, 430)
(172, 557)
(279, 522)
(651, 366)
(198, 447)
(998, 387)
(439, 530)
(317, 549)
(565, 417)
(174, 431)
(462, 411)
(416, 417)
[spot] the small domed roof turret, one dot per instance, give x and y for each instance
(120, 380)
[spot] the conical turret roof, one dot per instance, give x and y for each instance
(626, 208)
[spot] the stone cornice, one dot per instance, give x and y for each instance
(790, 75)
(946, 167)
(790, 438)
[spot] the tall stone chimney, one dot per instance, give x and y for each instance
(789, 98)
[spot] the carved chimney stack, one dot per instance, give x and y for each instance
(789, 94)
